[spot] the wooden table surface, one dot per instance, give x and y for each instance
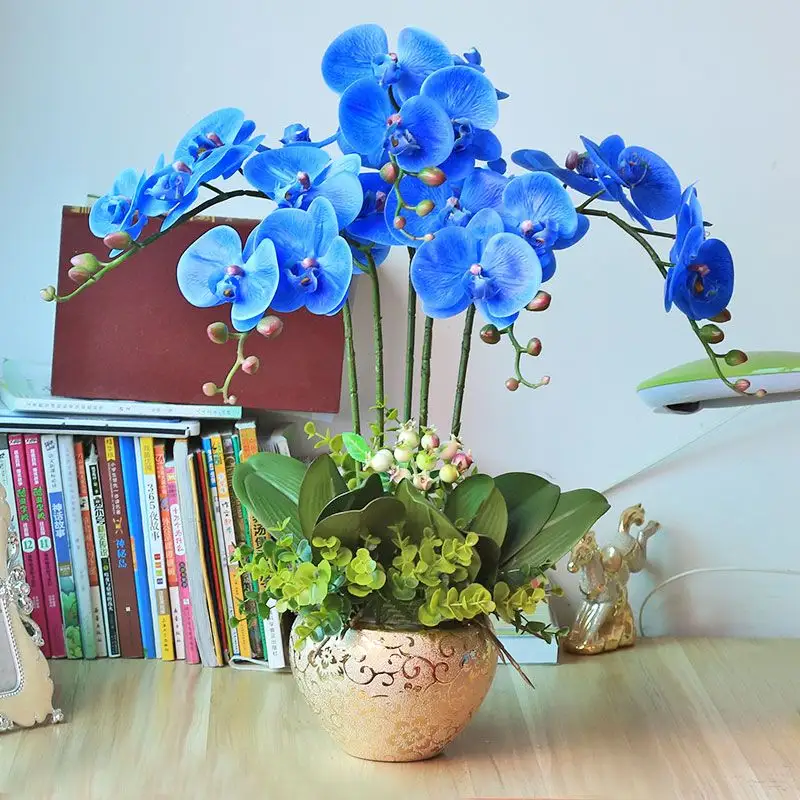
(690, 718)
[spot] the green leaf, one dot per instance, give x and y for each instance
(489, 551)
(283, 472)
(530, 501)
(466, 499)
(375, 518)
(322, 482)
(421, 514)
(269, 505)
(492, 518)
(357, 446)
(354, 499)
(574, 515)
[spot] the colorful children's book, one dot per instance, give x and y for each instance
(169, 550)
(183, 602)
(130, 482)
(70, 622)
(119, 545)
(27, 534)
(7, 494)
(100, 532)
(44, 545)
(98, 616)
(157, 569)
(77, 543)
(271, 626)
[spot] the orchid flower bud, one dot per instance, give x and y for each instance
(119, 240)
(723, 316)
(218, 332)
(270, 326)
(388, 172)
(210, 389)
(462, 461)
(432, 176)
(534, 347)
(448, 474)
(424, 207)
(512, 384)
(399, 223)
(735, 357)
(712, 334)
(450, 449)
(761, 393)
(742, 385)
(381, 461)
(250, 365)
(541, 302)
(490, 334)
(83, 267)
(430, 441)
(48, 294)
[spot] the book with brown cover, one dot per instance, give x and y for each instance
(136, 313)
(120, 548)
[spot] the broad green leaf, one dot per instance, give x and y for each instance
(492, 518)
(269, 505)
(357, 446)
(375, 518)
(355, 499)
(421, 514)
(489, 551)
(574, 515)
(283, 472)
(467, 498)
(530, 501)
(322, 482)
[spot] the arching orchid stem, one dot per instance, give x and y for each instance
(466, 344)
(411, 332)
(137, 246)
(352, 376)
(519, 352)
(588, 200)
(211, 187)
(425, 371)
(377, 328)
(240, 357)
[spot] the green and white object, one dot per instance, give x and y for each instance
(694, 386)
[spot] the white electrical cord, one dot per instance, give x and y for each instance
(699, 570)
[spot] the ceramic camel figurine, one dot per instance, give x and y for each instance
(604, 620)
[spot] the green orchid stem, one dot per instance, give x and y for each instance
(662, 268)
(352, 377)
(585, 204)
(242, 337)
(466, 344)
(425, 371)
(519, 352)
(211, 187)
(123, 257)
(380, 400)
(411, 332)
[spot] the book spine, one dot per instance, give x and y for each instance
(184, 600)
(44, 545)
(157, 568)
(232, 451)
(120, 551)
(242, 636)
(98, 625)
(168, 535)
(196, 465)
(7, 492)
(77, 544)
(27, 535)
(103, 557)
(271, 625)
(229, 634)
(70, 623)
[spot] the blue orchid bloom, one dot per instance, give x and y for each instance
(316, 264)
(295, 133)
(295, 176)
(362, 52)
(414, 192)
(482, 188)
(120, 209)
(472, 59)
(701, 282)
(213, 271)
(374, 160)
(480, 264)
(419, 135)
(611, 167)
(470, 101)
(169, 192)
(538, 208)
(371, 224)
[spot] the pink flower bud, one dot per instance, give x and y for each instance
(388, 172)
(540, 303)
(250, 365)
(735, 357)
(512, 384)
(723, 316)
(218, 332)
(761, 393)
(432, 176)
(119, 240)
(450, 449)
(430, 441)
(545, 380)
(232, 400)
(534, 347)
(86, 262)
(398, 474)
(399, 223)
(428, 237)
(424, 207)
(48, 294)
(210, 389)
(462, 461)
(270, 326)
(742, 385)
(572, 159)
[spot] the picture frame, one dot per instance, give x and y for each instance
(26, 688)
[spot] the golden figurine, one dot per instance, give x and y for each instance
(604, 620)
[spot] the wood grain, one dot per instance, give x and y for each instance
(694, 718)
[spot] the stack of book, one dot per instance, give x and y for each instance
(126, 534)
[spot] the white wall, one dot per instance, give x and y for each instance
(90, 87)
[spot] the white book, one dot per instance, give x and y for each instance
(276, 655)
(197, 592)
(88, 608)
(25, 387)
(7, 484)
(525, 648)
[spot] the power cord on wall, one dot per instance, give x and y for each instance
(698, 570)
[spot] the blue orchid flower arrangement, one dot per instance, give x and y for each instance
(413, 161)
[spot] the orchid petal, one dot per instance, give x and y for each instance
(419, 54)
(225, 122)
(333, 280)
(257, 287)
(349, 56)
(292, 232)
(547, 261)
(203, 264)
(438, 269)
(274, 169)
(658, 193)
(514, 269)
(343, 190)
(325, 228)
(500, 322)
(458, 164)
(563, 242)
(540, 197)
(486, 146)
(464, 93)
(363, 110)
(432, 130)
(483, 188)
(690, 214)
(538, 161)
(717, 285)
(483, 225)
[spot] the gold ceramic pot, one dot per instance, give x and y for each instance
(396, 695)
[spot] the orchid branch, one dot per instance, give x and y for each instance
(411, 332)
(466, 344)
(352, 376)
(377, 326)
(518, 377)
(425, 372)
